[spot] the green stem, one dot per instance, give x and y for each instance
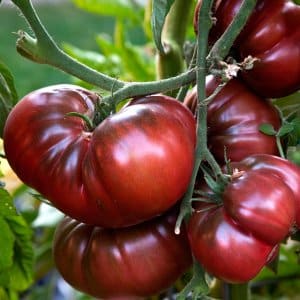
(219, 51)
(204, 26)
(279, 146)
(222, 46)
(151, 87)
(170, 62)
(44, 50)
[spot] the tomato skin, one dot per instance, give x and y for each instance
(233, 120)
(126, 263)
(252, 201)
(223, 249)
(285, 170)
(271, 35)
(103, 177)
(233, 241)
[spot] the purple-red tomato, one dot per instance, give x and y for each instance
(134, 165)
(125, 263)
(285, 170)
(235, 240)
(234, 117)
(271, 35)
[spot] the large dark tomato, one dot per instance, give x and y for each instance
(235, 240)
(133, 166)
(127, 263)
(234, 117)
(271, 35)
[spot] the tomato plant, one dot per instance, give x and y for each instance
(127, 263)
(234, 117)
(116, 163)
(236, 239)
(102, 176)
(271, 35)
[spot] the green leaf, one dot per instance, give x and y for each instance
(123, 9)
(160, 9)
(133, 60)
(285, 129)
(7, 240)
(6, 204)
(267, 128)
(19, 276)
(109, 65)
(8, 94)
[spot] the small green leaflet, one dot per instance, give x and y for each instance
(160, 10)
(267, 129)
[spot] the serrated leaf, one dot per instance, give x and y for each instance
(19, 276)
(7, 207)
(123, 9)
(160, 10)
(7, 240)
(285, 129)
(267, 129)
(8, 94)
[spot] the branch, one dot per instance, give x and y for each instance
(222, 46)
(218, 52)
(44, 50)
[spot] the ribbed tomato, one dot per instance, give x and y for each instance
(272, 36)
(260, 206)
(233, 120)
(134, 165)
(127, 263)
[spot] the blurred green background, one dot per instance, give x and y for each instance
(65, 23)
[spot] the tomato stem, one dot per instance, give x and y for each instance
(202, 152)
(88, 122)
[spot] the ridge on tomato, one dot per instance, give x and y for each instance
(234, 117)
(133, 166)
(272, 36)
(260, 206)
(125, 263)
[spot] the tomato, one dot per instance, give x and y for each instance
(125, 263)
(224, 250)
(233, 120)
(272, 36)
(133, 166)
(288, 173)
(235, 240)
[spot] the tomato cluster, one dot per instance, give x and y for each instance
(120, 180)
(237, 231)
